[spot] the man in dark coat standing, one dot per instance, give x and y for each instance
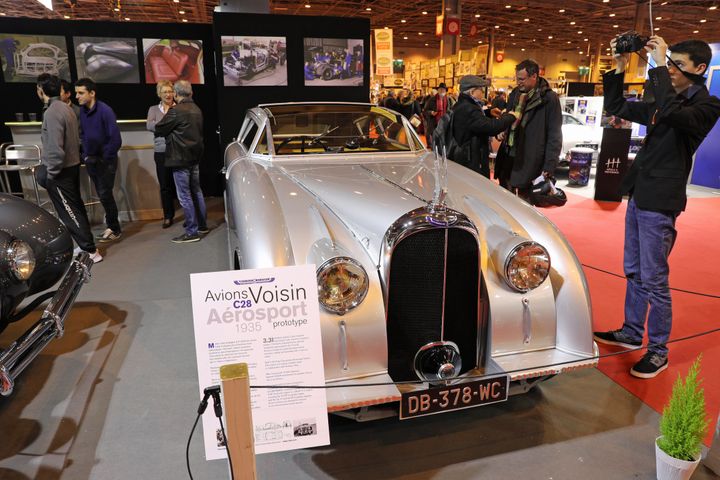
(532, 145)
(182, 127)
(678, 120)
(472, 129)
(435, 107)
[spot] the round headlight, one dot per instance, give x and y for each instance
(527, 266)
(342, 284)
(21, 259)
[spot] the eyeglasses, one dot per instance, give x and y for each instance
(166, 91)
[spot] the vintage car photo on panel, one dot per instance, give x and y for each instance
(172, 59)
(107, 60)
(36, 264)
(254, 61)
(24, 57)
(427, 272)
(333, 62)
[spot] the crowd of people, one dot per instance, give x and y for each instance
(87, 134)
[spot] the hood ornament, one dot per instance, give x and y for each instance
(437, 208)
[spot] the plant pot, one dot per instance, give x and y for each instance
(671, 468)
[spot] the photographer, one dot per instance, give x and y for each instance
(679, 118)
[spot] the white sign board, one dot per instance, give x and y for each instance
(269, 319)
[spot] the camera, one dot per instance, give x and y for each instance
(630, 42)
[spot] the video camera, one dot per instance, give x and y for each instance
(630, 42)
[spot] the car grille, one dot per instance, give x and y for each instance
(415, 298)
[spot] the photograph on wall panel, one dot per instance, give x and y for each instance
(254, 61)
(171, 59)
(24, 57)
(335, 62)
(107, 60)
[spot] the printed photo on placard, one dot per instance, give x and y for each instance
(254, 61)
(24, 57)
(335, 62)
(107, 60)
(171, 59)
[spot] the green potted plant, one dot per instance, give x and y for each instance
(683, 426)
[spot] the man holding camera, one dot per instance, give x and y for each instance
(678, 120)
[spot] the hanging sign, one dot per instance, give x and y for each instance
(268, 318)
(384, 51)
(612, 164)
(473, 29)
(452, 25)
(499, 57)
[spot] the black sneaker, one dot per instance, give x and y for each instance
(185, 238)
(649, 366)
(616, 337)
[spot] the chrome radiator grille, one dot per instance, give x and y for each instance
(433, 290)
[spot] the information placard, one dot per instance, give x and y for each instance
(269, 319)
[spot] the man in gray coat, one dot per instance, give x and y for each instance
(532, 145)
(60, 169)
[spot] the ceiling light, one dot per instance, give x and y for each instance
(480, 41)
(539, 29)
(657, 28)
(611, 15)
(368, 9)
(403, 21)
(419, 33)
(714, 7)
(184, 20)
(703, 21)
(522, 49)
(117, 9)
(664, 3)
(508, 6)
(615, 26)
(526, 19)
(585, 39)
(477, 15)
(127, 19)
(512, 34)
(307, 5)
(562, 10)
(569, 41)
(3, 14)
(550, 37)
(66, 17)
(514, 43)
(658, 18)
(182, 12)
(404, 38)
(427, 44)
(608, 1)
(696, 31)
(424, 13)
(386, 28)
(580, 53)
(579, 32)
(176, 1)
(497, 26)
(572, 23)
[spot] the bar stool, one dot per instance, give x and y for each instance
(20, 159)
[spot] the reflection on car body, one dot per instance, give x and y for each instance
(427, 271)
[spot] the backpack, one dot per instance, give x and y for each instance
(443, 137)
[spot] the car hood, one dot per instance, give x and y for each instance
(369, 198)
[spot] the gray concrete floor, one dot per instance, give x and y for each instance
(116, 396)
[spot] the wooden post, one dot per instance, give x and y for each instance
(240, 438)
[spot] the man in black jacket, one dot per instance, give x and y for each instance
(678, 120)
(472, 129)
(182, 127)
(532, 145)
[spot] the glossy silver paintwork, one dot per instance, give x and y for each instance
(288, 209)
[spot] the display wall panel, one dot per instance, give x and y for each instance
(333, 62)
(107, 59)
(173, 59)
(24, 57)
(249, 61)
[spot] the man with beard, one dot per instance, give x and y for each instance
(532, 145)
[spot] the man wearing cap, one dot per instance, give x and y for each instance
(472, 128)
(435, 107)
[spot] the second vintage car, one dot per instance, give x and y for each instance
(439, 290)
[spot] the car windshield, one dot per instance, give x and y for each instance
(318, 129)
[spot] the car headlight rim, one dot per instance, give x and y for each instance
(21, 259)
(519, 279)
(348, 299)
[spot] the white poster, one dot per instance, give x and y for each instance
(384, 51)
(269, 319)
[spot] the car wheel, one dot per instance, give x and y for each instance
(327, 74)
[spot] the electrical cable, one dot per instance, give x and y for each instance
(187, 448)
(217, 406)
(222, 429)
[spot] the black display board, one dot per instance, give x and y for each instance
(235, 100)
(612, 163)
(580, 89)
(129, 101)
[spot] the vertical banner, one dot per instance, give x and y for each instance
(384, 51)
(481, 60)
(612, 163)
(268, 318)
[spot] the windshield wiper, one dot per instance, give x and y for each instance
(327, 132)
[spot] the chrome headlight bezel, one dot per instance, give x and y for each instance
(511, 271)
(20, 259)
(355, 298)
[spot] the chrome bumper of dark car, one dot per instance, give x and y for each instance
(20, 353)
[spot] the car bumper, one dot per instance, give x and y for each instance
(15, 358)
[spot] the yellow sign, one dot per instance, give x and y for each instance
(383, 51)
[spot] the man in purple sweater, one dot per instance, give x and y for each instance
(100, 144)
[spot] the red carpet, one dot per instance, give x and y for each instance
(595, 230)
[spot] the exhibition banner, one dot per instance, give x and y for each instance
(269, 319)
(384, 51)
(612, 164)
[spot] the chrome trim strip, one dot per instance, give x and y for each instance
(444, 288)
(343, 345)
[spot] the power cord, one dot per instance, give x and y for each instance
(214, 392)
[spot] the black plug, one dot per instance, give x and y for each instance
(212, 390)
(217, 403)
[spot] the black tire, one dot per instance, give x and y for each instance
(327, 74)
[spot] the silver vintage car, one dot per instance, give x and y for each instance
(439, 290)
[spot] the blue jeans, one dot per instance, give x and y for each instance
(187, 184)
(649, 238)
